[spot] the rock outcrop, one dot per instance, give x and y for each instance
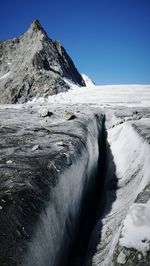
(33, 65)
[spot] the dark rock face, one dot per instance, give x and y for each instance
(33, 66)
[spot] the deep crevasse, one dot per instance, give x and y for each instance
(131, 156)
(57, 224)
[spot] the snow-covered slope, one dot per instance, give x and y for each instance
(103, 96)
(88, 81)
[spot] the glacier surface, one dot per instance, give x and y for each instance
(64, 168)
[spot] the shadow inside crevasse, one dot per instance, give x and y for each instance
(95, 207)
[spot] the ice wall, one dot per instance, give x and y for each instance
(57, 224)
(128, 162)
(43, 189)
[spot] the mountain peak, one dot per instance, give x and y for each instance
(36, 29)
(35, 25)
(33, 65)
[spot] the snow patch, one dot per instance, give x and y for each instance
(71, 84)
(129, 159)
(104, 96)
(136, 228)
(5, 76)
(88, 81)
(55, 68)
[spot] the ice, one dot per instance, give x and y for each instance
(136, 228)
(131, 157)
(104, 96)
(88, 81)
(5, 76)
(129, 152)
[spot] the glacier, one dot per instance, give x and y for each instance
(82, 184)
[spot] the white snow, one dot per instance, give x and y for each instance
(55, 68)
(5, 76)
(103, 96)
(131, 156)
(136, 229)
(72, 85)
(88, 81)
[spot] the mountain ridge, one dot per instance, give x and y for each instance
(34, 65)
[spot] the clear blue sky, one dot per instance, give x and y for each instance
(107, 39)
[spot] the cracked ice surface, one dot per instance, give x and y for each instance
(127, 109)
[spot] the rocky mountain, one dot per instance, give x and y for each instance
(33, 65)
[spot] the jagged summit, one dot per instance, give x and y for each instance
(33, 65)
(36, 25)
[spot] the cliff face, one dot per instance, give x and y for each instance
(33, 65)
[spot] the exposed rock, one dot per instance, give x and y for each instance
(44, 112)
(33, 65)
(69, 115)
(121, 259)
(60, 143)
(35, 147)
